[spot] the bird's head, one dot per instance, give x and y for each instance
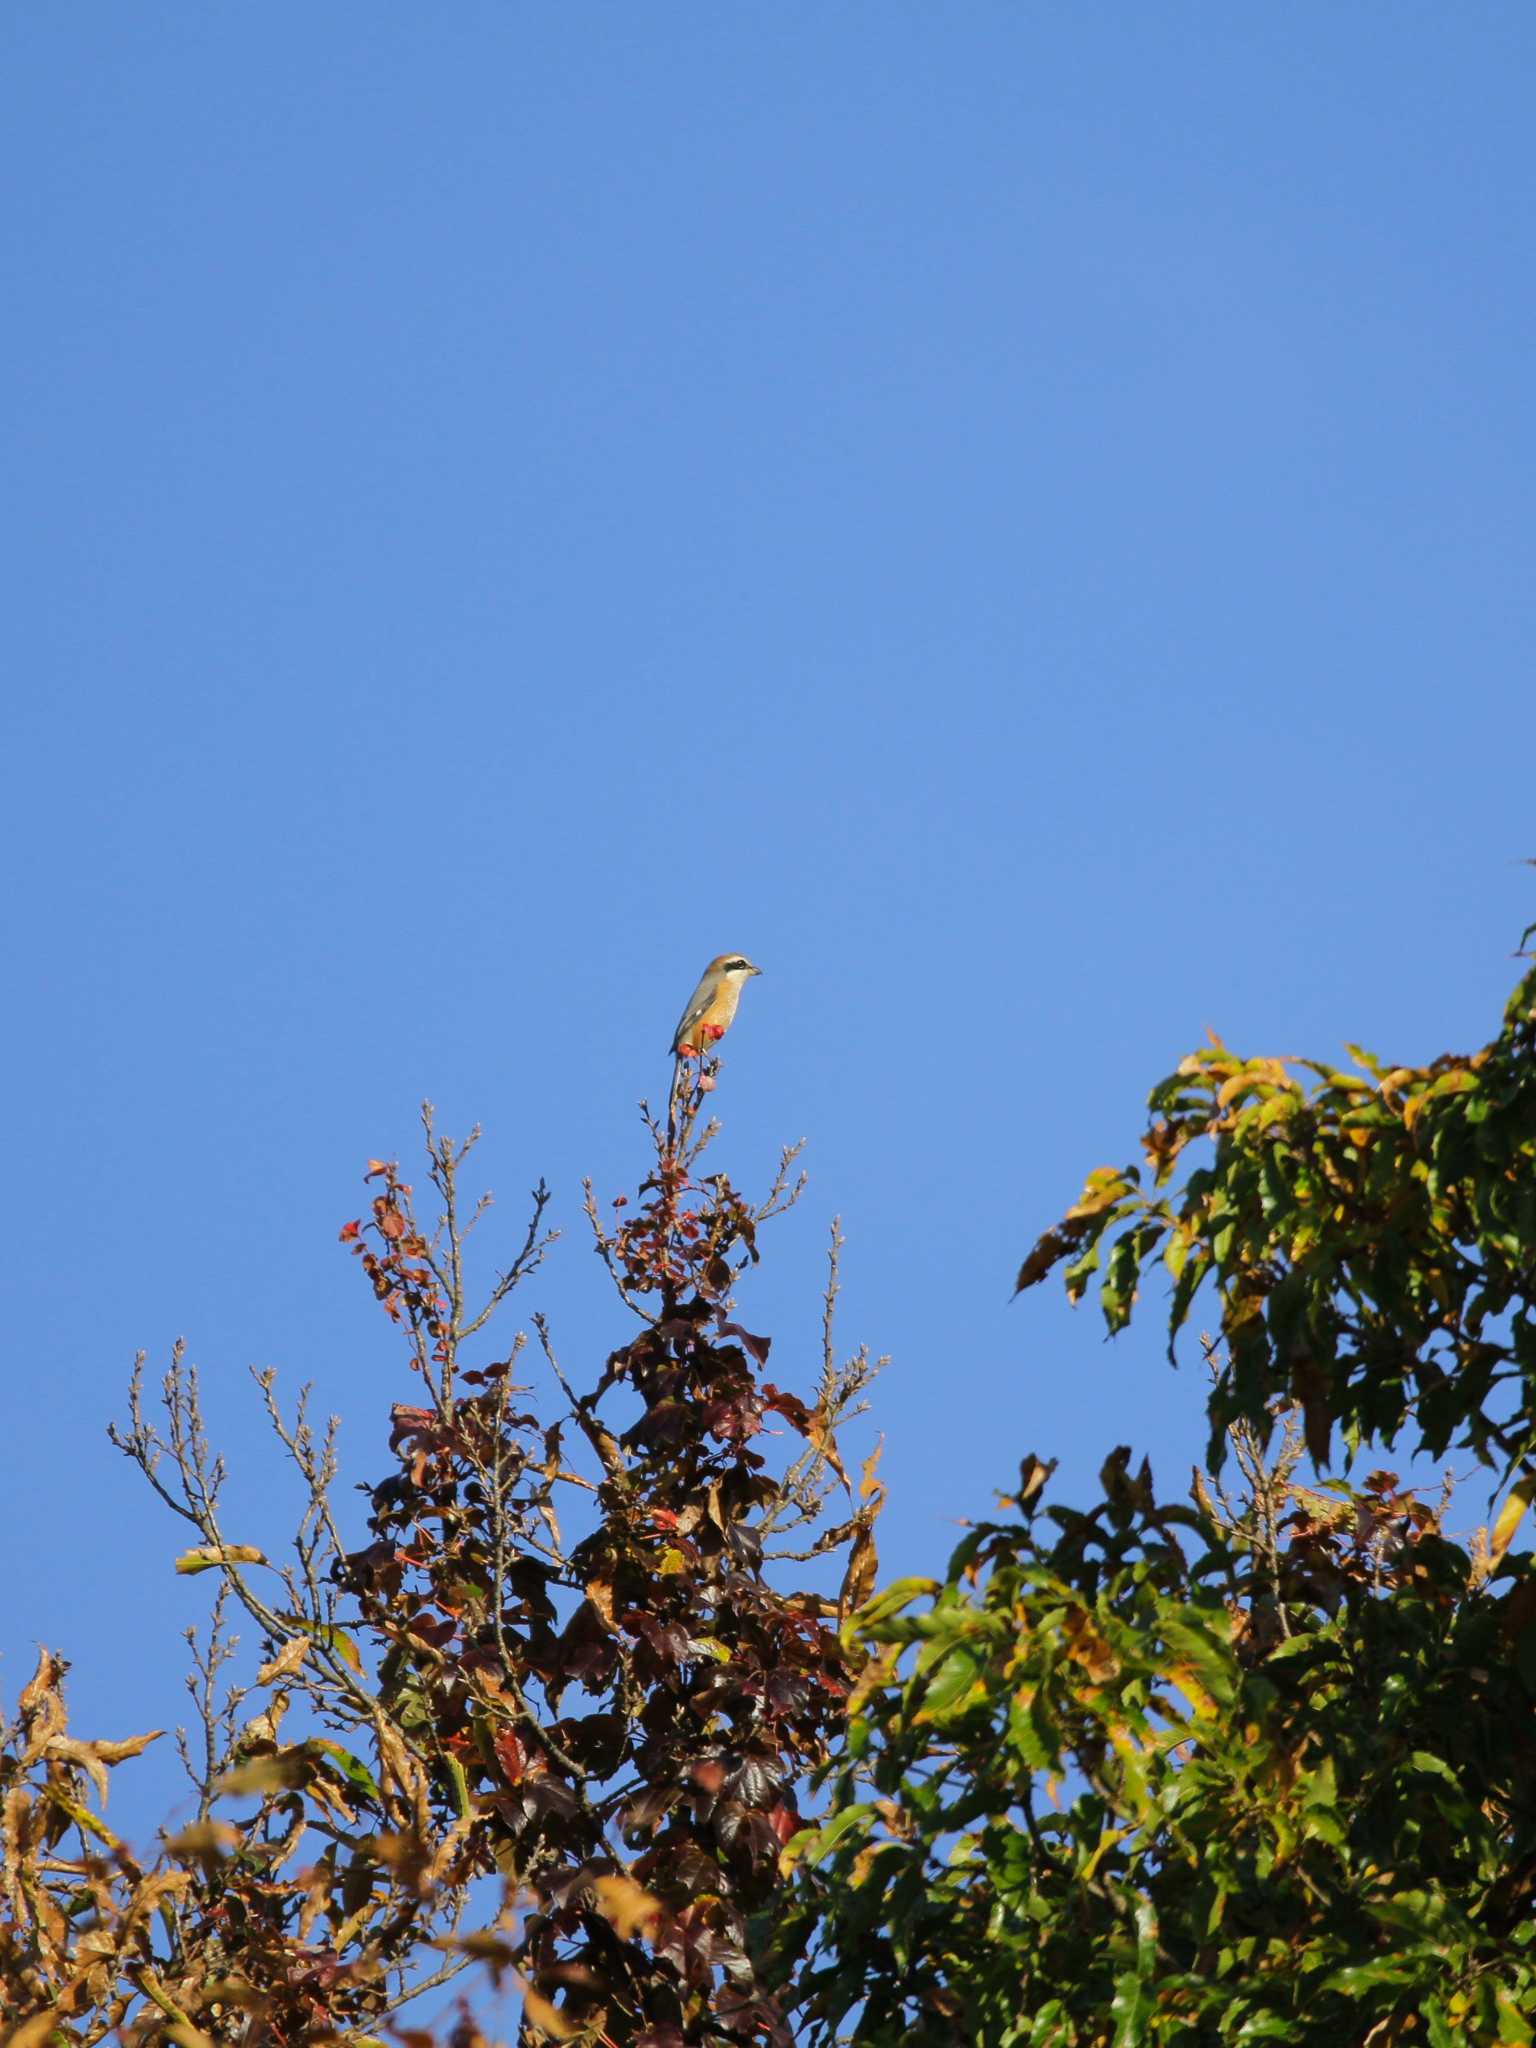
(733, 966)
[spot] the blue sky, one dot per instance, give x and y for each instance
(1019, 518)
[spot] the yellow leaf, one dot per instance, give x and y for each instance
(672, 1562)
(34, 2032)
(547, 2018)
(625, 1905)
(876, 1673)
(1105, 1843)
(1102, 1189)
(338, 1640)
(280, 1773)
(1182, 1675)
(1521, 1494)
(207, 1555)
(485, 1945)
(83, 1819)
(795, 1848)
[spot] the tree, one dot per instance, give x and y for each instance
(473, 1737)
(1243, 1769)
(1254, 1766)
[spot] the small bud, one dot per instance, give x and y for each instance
(706, 1082)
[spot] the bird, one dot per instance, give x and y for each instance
(708, 1012)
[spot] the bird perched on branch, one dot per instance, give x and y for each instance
(708, 1012)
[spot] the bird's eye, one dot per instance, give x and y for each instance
(732, 965)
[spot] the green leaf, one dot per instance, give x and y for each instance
(951, 1685)
(1425, 1760)
(1514, 2026)
(352, 1768)
(816, 1844)
(893, 1599)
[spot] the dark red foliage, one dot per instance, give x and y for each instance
(642, 1702)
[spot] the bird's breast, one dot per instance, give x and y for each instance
(722, 1006)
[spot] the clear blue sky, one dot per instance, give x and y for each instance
(1018, 517)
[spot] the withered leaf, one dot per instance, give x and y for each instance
(285, 1662)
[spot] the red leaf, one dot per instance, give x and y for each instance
(511, 1755)
(790, 1406)
(785, 1822)
(758, 1346)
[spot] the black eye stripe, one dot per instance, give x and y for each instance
(731, 964)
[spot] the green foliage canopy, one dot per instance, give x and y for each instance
(1369, 1237)
(1231, 1772)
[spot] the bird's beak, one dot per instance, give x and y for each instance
(757, 970)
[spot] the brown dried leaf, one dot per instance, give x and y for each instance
(43, 1682)
(868, 1483)
(819, 1430)
(42, 1708)
(52, 1927)
(449, 1847)
(147, 1896)
(131, 1745)
(859, 1578)
(316, 1882)
(15, 1845)
(205, 1838)
(397, 1763)
(83, 1756)
(600, 1593)
(286, 1661)
(1049, 1250)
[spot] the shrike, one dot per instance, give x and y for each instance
(708, 1012)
